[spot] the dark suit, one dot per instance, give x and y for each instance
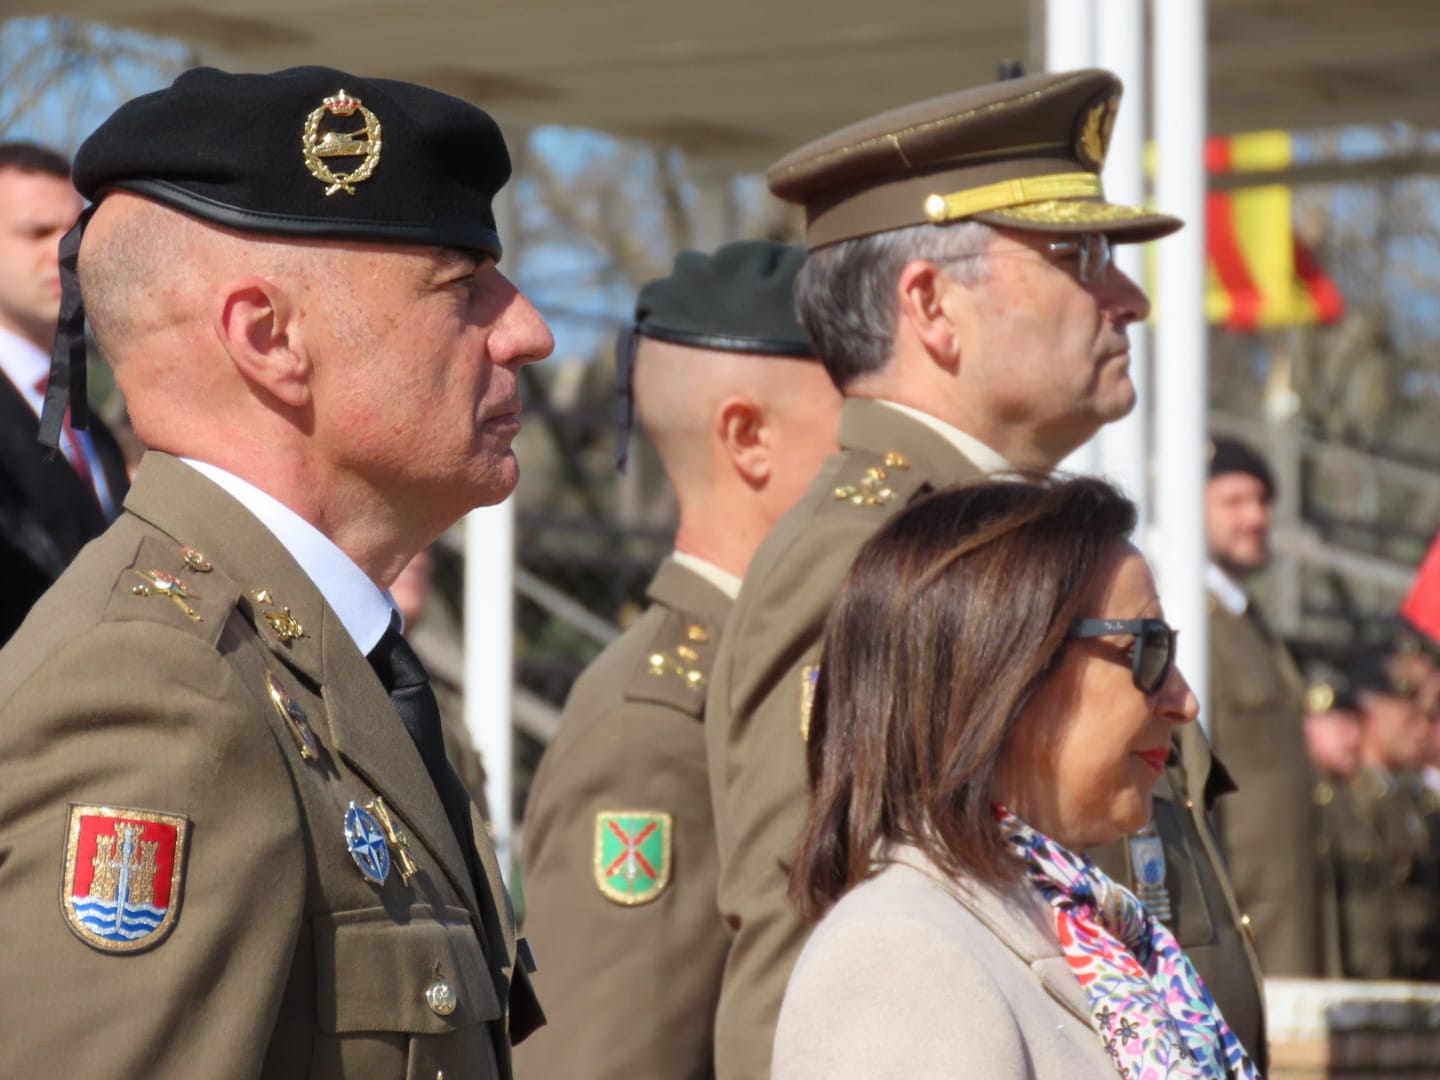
(47, 512)
(283, 960)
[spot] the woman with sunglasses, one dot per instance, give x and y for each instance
(996, 695)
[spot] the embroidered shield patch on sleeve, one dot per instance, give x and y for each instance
(633, 854)
(123, 875)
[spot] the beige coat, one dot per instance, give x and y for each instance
(283, 962)
(629, 991)
(913, 975)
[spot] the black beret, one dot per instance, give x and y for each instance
(1373, 671)
(1229, 455)
(740, 299)
(309, 151)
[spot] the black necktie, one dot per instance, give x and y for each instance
(406, 681)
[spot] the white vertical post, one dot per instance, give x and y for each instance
(1070, 43)
(1180, 331)
(489, 615)
(1124, 446)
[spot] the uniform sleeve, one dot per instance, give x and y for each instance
(624, 987)
(893, 998)
(133, 716)
(758, 768)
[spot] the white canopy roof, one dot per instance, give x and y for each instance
(739, 83)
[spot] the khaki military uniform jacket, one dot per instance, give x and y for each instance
(754, 726)
(1358, 946)
(630, 988)
(1268, 829)
(1395, 809)
(274, 956)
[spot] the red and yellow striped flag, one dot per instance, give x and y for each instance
(1259, 274)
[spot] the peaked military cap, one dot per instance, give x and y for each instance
(306, 152)
(740, 299)
(1023, 153)
(1230, 455)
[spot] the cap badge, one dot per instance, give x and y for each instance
(334, 144)
(366, 844)
(632, 854)
(123, 875)
(1093, 141)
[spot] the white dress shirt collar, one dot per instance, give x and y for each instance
(723, 580)
(975, 451)
(1231, 594)
(24, 365)
(362, 608)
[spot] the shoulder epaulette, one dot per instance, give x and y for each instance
(675, 670)
(867, 479)
(177, 586)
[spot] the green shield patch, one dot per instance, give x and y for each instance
(632, 854)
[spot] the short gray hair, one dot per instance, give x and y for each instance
(845, 293)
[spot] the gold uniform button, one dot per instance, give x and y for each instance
(1189, 804)
(440, 996)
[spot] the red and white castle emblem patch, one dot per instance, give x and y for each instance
(123, 872)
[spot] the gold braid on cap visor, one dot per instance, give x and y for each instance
(1006, 194)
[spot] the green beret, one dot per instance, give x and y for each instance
(740, 299)
(1022, 153)
(310, 151)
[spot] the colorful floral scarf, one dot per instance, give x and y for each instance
(1151, 1009)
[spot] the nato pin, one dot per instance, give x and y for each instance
(366, 843)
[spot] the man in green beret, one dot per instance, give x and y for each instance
(961, 291)
(1269, 828)
(620, 860)
(230, 843)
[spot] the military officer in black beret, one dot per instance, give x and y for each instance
(620, 859)
(230, 844)
(961, 290)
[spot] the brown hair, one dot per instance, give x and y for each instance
(951, 617)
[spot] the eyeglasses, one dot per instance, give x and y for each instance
(1093, 253)
(1154, 646)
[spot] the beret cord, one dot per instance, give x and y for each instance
(626, 342)
(66, 388)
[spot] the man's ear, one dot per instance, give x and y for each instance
(926, 298)
(254, 320)
(740, 426)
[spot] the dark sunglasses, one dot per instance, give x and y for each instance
(1154, 646)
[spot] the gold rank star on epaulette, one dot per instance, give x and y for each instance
(871, 489)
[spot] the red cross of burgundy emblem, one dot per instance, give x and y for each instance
(123, 874)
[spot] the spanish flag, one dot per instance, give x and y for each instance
(1259, 273)
(1422, 606)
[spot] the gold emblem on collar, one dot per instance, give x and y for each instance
(333, 144)
(294, 717)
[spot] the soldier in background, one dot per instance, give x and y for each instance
(1356, 911)
(961, 291)
(1269, 827)
(619, 839)
(1395, 730)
